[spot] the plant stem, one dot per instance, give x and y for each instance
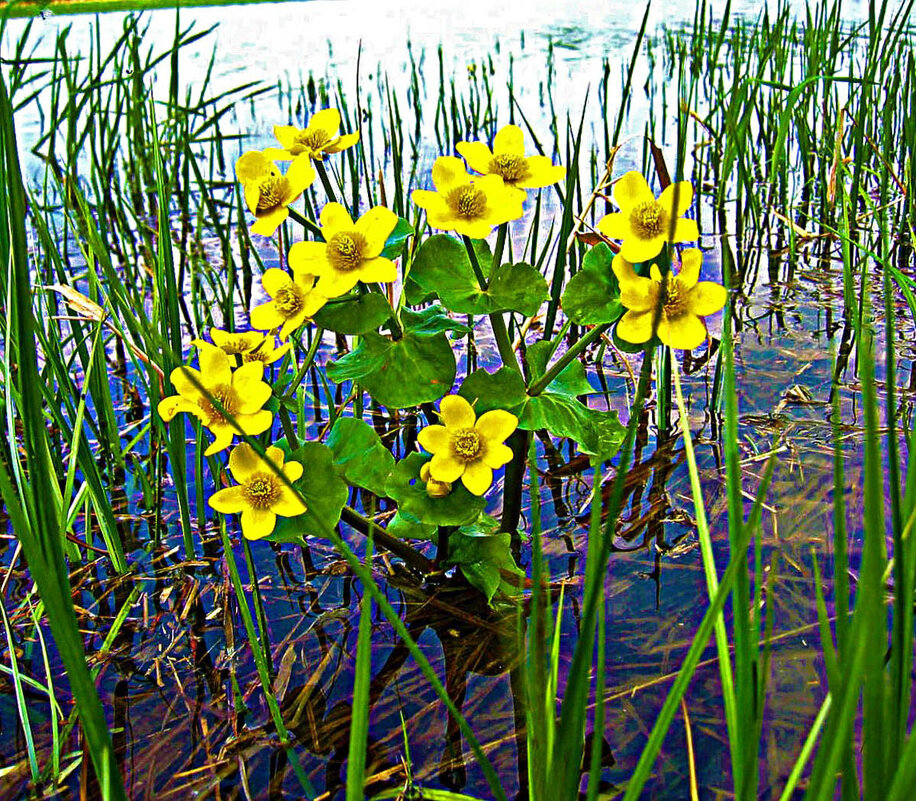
(500, 334)
(560, 364)
(325, 181)
(310, 225)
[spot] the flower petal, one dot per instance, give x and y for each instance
(299, 176)
(269, 221)
(691, 261)
(636, 250)
(286, 135)
(707, 297)
(342, 143)
(497, 455)
(432, 202)
(224, 434)
(309, 257)
(289, 504)
(174, 404)
(631, 190)
(635, 327)
(614, 226)
(376, 225)
(686, 331)
(292, 471)
(676, 198)
(448, 173)
(335, 218)
(445, 467)
(266, 317)
(228, 501)
(434, 439)
(252, 192)
(258, 523)
(455, 412)
(477, 155)
(327, 120)
(214, 366)
(335, 284)
(379, 269)
(685, 231)
(541, 172)
(275, 279)
(495, 426)
(243, 462)
(252, 166)
(509, 140)
(256, 423)
(477, 477)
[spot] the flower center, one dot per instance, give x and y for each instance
(512, 168)
(272, 190)
(238, 344)
(675, 303)
(227, 398)
(648, 219)
(345, 251)
(310, 140)
(288, 300)
(259, 355)
(467, 445)
(467, 201)
(261, 490)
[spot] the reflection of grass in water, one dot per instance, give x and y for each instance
(100, 160)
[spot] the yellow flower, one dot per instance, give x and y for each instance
(434, 489)
(351, 251)
(465, 449)
(684, 302)
(644, 223)
(261, 494)
(234, 343)
(267, 191)
(465, 204)
(509, 162)
(241, 394)
(314, 142)
(266, 352)
(293, 300)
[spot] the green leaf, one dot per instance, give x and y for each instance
(481, 553)
(592, 295)
(572, 381)
(399, 373)
(441, 268)
(394, 245)
(432, 320)
(516, 287)
(324, 492)
(359, 455)
(406, 527)
(598, 434)
(504, 389)
(355, 314)
(405, 487)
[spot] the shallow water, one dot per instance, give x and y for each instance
(182, 690)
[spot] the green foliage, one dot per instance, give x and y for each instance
(323, 491)
(406, 527)
(484, 554)
(405, 486)
(592, 295)
(504, 389)
(397, 239)
(442, 269)
(355, 314)
(359, 455)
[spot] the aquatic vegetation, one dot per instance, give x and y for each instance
(418, 454)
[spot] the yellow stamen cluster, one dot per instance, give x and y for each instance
(467, 201)
(648, 219)
(261, 491)
(226, 397)
(510, 166)
(466, 444)
(289, 301)
(345, 250)
(273, 189)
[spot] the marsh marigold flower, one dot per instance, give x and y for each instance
(240, 395)
(685, 302)
(268, 191)
(468, 205)
(293, 301)
(261, 494)
(643, 223)
(234, 343)
(351, 251)
(319, 139)
(509, 162)
(467, 447)
(434, 489)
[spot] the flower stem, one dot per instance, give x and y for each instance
(500, 334)
(381, 537)
(560, 364)
(306, 363)
(325, 180)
